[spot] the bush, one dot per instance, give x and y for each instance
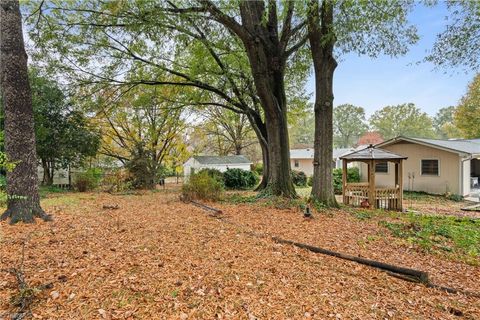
(202, 186)
(353, 175)
(258, 168)
(215, 174)
(454, 197)
(88, 180)
(299, 178)
(3, 198)
(310, 181)
(117, 181)
(240, 179)
(3, 182)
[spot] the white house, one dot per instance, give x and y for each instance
(302, 159)
(221, 163)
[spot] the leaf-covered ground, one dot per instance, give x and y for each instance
(158, 258)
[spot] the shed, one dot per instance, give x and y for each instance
(367, 193)
(221, 163)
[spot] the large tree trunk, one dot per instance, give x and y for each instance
(267, 62)
(322, 40)
(22, 182)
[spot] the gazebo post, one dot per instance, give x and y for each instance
(344, 180)
(371, 183)
(400, 184)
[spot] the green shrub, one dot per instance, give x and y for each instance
(3, 182)
(119, 180)
(202, 186)
(3, 198)
(310, 181)
(240, 179)
(299, 178)
(454, 197)
(353, 175)
(214, 173)
(258, 168)
(88, 180)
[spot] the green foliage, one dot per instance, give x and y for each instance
(88, 180)
(353, 175)
(349, 124)
(443, 123)
(202, 186)
(215, 174)
(299, 178)
(118, 180)
(258, 168)
(3, 198)
(460, 236)
(240, 179)
(63, 134)
(402, 120)
(467, 115)
(454, 197)
(310, 181)
(459, 44)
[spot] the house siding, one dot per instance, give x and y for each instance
(304, 165)
(448, 180)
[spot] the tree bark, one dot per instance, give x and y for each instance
(22, 182)
(322, 41)
(267, 56)
(267, 62)
(47, 173)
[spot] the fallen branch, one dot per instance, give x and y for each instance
(403, 273)
(414, 275)
(205, 207)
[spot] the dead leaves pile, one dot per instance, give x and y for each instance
(158, 258)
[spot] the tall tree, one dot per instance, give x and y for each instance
(349, 124)
(64, 137)
(134, 36)
(459, 44)
(22, 183)
(141, 131)
(444, 125)
(402, 120)
(467, 116)
(228, 132)
(365, 27)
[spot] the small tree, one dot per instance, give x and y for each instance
(349, 124)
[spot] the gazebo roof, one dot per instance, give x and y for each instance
(372, 153)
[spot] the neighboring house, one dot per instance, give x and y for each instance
(60, 176)
(433, 166)
(222, 163)
(302, 159)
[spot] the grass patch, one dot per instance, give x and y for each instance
(459, 236)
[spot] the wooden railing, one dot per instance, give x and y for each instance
(384, 198)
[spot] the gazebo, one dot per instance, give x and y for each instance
(367, 194)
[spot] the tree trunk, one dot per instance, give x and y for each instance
(22, 182)
(322, 40)
(47, 173)
(267, 62)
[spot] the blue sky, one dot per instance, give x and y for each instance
(375, 83)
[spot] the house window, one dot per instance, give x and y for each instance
(297, 164)
(381, 167)
(430, 167)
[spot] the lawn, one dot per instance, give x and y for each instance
(159, 258)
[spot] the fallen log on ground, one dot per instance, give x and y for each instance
(205, 207)
(403, 273)
(414, 275)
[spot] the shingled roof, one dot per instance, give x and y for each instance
(222, 159)
(372, 153)
(469, 146)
